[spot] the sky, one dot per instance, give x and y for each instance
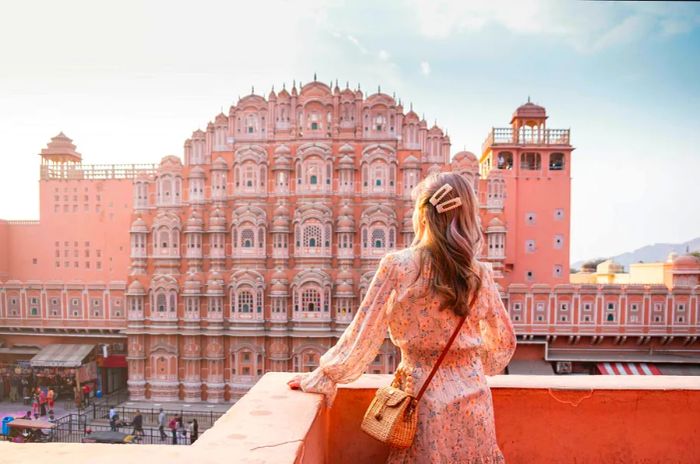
(129, 81)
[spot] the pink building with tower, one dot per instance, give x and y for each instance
(251, 252)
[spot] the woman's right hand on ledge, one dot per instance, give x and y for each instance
(295, 383)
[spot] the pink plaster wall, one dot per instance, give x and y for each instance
(106, 230)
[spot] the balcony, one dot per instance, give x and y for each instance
(526, 136)
(593, 419)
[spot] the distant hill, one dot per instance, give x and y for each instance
(650, 253)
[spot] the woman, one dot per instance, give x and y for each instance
(420, 294)
(193, 429)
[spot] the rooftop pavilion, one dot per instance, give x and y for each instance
(539, 419)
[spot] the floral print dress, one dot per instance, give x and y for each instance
(455, 415)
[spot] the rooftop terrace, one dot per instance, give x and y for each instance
(540, 419)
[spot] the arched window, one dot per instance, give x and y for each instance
(611, 317)
(161, 303)
(247, 238)
(530, 161)
(251, 123)
(505, 160)
(556, 162)
(311, 300)
(378, 238)
(245, 301)
(312, 236)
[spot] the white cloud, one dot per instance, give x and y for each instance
(383, 55)
(425, 68)
(587, 27)
(357, 44)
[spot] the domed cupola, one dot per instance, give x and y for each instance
(217, 221)
(139, 226)
(280, 222)
(194, 223)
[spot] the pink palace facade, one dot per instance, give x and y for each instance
(251, 252)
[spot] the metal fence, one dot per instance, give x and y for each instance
(100, 411)
(72, 428)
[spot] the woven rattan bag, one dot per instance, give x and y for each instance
(392, 416)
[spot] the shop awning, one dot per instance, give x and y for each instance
(620, 368)
(530, 367)
(60, 355)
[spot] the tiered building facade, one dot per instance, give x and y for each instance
(252, 252)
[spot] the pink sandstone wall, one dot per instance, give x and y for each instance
(4, 251)
(83, 222)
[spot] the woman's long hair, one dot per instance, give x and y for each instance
(449, 241)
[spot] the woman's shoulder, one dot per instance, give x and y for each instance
(485, 268)
(401, 258)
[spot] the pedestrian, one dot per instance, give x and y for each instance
(194, 431)
(113, 416)
(138, 424)
(42, 401)
(86, 394)
(181, 428)
(51, 399)
(172, 425)
(161, 424)
(35, 406)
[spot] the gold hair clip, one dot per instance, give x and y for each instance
(447, 205)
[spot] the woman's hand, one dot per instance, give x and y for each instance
(295, 383)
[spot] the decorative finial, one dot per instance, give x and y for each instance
(393, 95)
(411, 104)
(379, 89)
(314, 77)
(336, 82)
(347, 84)
(528, 98)
(252, 90)
(294, 83)
(283, 85)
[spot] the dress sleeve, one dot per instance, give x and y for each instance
(359, 344)
(497, 334)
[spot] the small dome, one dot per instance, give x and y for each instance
(136, 288)
(346, 222)
(282, 150)
(193, 284)
(61, 148)
(194, 222)
(411, 161)
(346, 210)
(530, 111)
(466, 155)
(346, 148)
(346, 161)
(196, 172)
(281, 217)
(495, 225)
(686, 262)
(170, 163)
(217, 219)
(219, 164)
(279, 281)
(139, 225)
